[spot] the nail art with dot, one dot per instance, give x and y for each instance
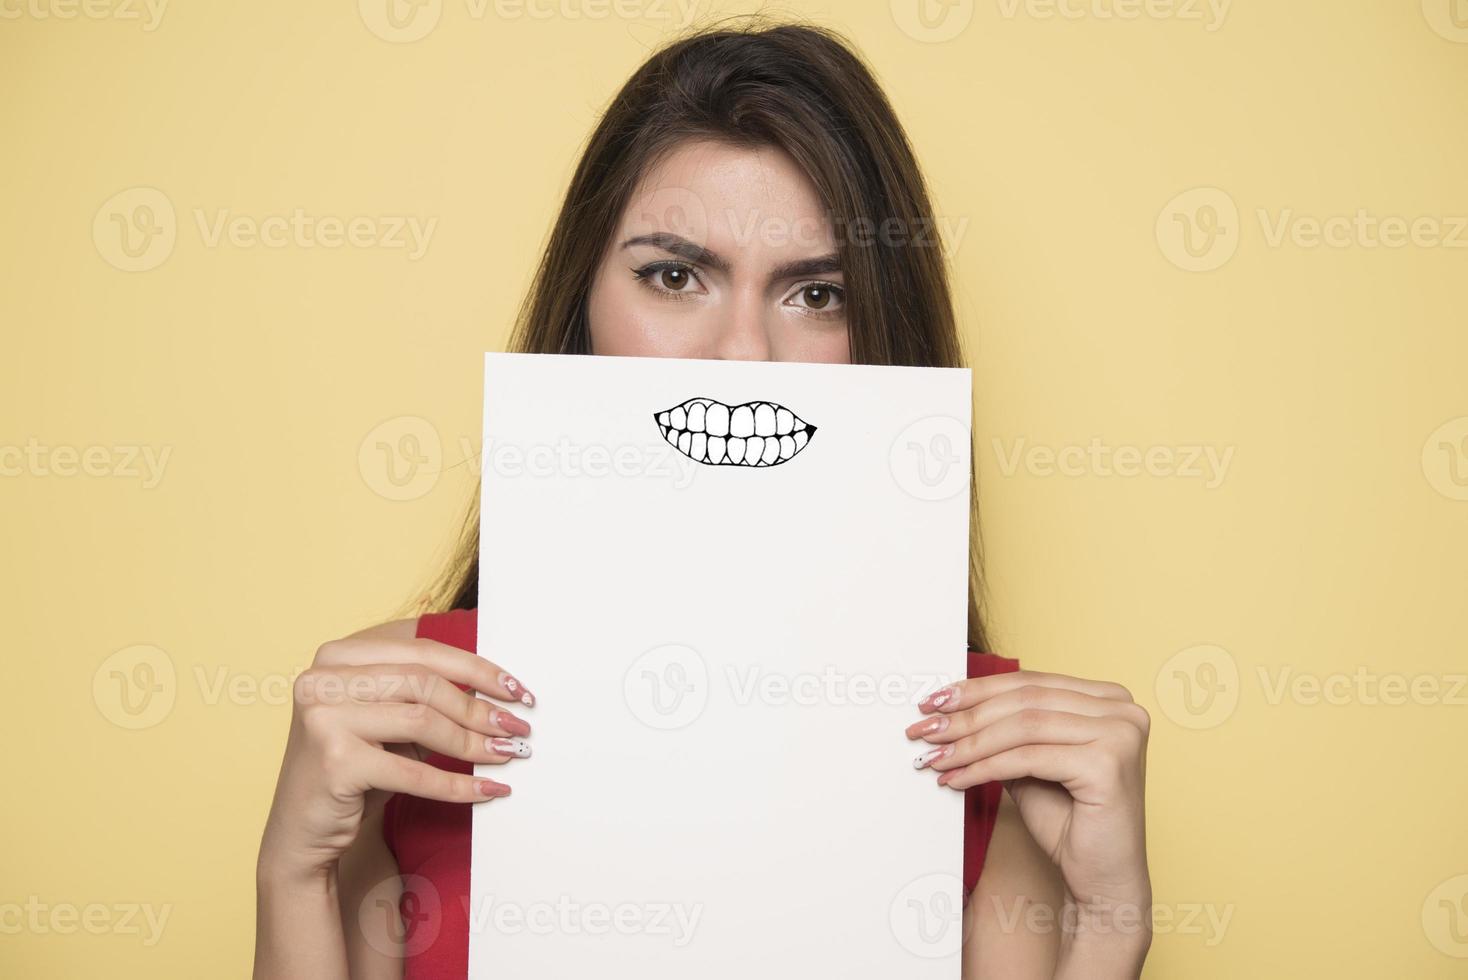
(517, 748)
(931, 756)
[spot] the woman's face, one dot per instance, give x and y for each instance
(723, 253)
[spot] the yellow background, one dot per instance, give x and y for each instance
(1329, 834)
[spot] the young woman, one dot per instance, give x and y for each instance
(748, 194)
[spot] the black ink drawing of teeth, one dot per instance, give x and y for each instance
(753, 434)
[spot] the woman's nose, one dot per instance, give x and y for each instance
(743, 334)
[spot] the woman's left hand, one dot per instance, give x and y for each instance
(1072, 754)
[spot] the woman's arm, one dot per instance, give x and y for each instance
(298, 926)
(316, 925)
(366, 715)
(1004, 935)
(1071, 753)
(1015, 924)
(306, 921)
(369, 889)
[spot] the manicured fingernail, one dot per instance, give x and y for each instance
(492, 789)
(930, 727)
(517, 690)
(517, 747)
(939, 698)
(943, 779)
(511, 724)
(931, 756)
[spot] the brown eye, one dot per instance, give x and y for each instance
(673, 279)
(818, 297)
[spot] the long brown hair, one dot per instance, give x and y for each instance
(804, 90)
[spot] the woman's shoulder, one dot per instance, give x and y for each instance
(982, 664)
(397, 629)
(456, 627)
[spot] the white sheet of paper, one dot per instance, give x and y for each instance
(724, 659)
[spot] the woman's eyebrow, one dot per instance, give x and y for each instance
(681, 247)
(820, 265)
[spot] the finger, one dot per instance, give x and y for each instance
(417, 684)
(459, 666)
(1063, 764)
(1032, 726)
(967, 693)
(395, 774)
(391, 722)
(950, 727)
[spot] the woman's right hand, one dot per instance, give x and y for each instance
(367, 714)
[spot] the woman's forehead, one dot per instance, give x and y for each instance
(730, 199)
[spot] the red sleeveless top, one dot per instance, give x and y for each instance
(431, 839)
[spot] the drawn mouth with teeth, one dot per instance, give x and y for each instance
(754, 434)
